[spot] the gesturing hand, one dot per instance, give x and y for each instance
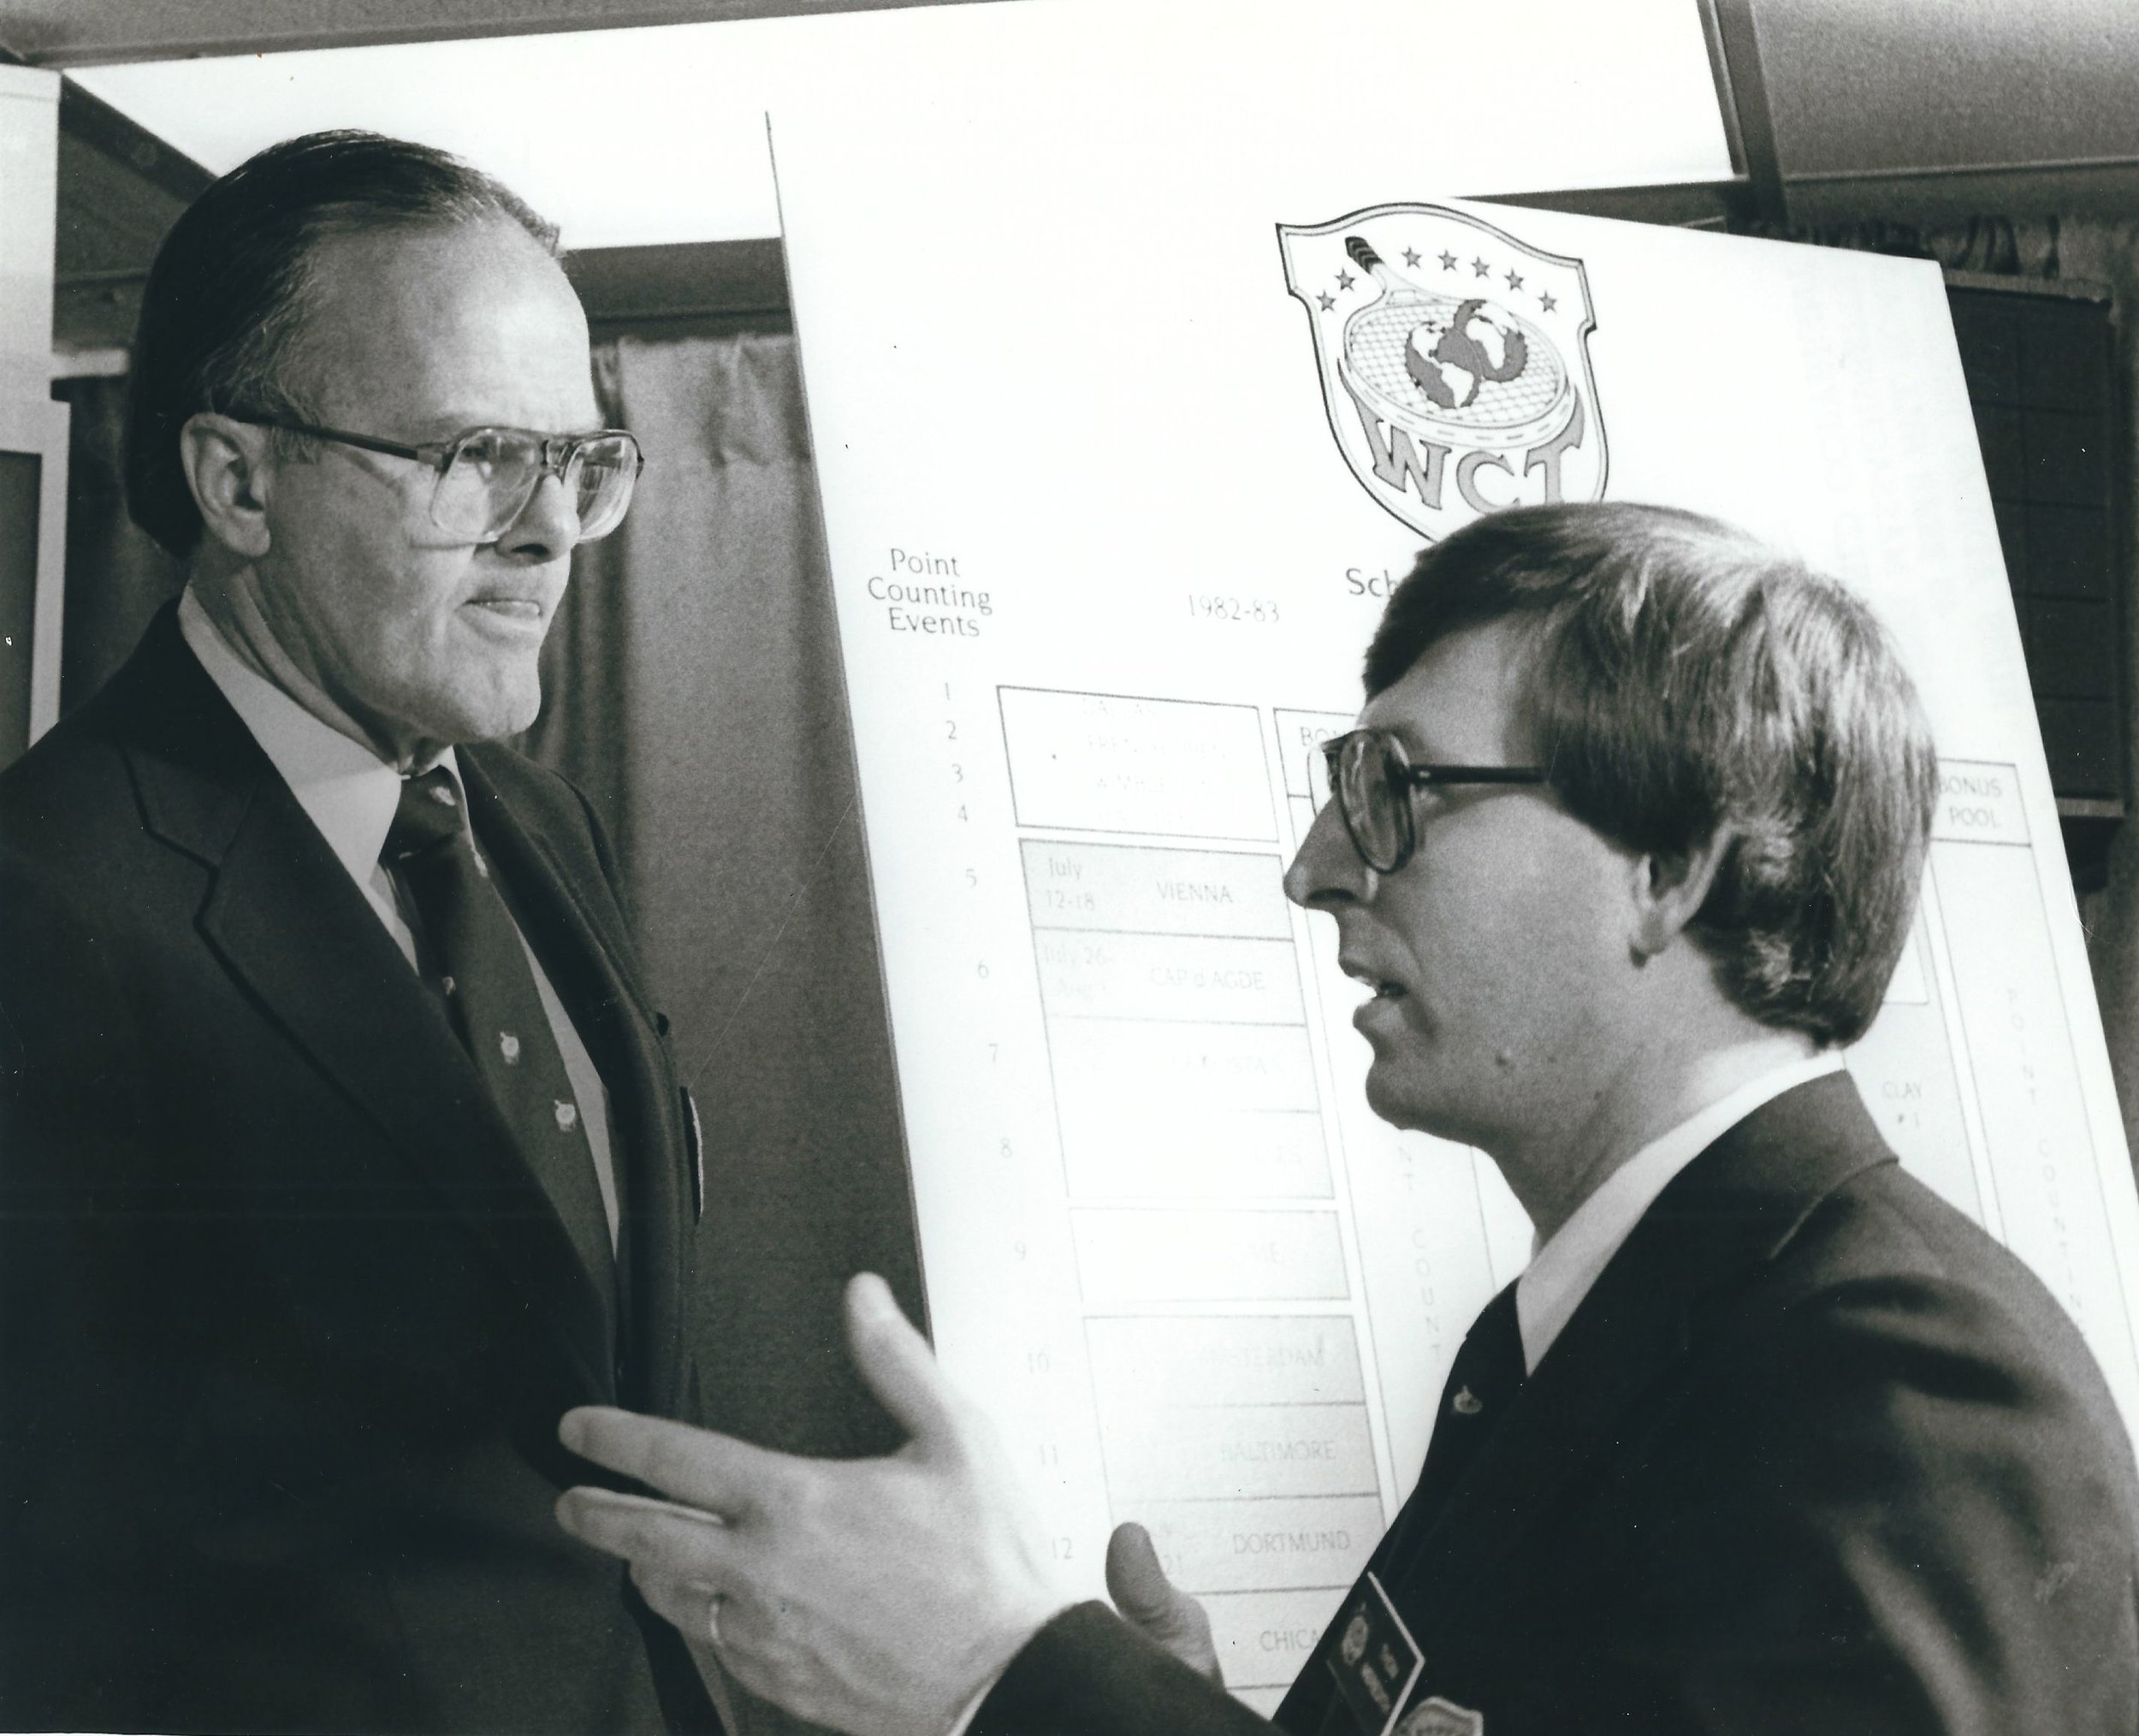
(872, 1595)
(1148, 1599)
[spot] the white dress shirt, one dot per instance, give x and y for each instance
(1561, 1272)
(351, 795)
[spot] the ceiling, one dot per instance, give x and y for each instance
(1918, 108)
(1887, 87)
(656, 134)
(1953, 107)
(97, 33)
(1855, 86)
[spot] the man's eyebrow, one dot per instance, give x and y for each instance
(445, 428)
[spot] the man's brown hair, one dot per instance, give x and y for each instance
(1686, 679)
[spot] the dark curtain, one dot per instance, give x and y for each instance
(695, 693)
(116, 576)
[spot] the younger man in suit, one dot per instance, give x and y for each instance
(340, 1153)
(1767, 1438)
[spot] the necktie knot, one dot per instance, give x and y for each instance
(430, 813)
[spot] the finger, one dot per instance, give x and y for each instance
(1146, 1598)
(678, 1542)
(717, 1472)
(896, 1362)
(758, 1645)
(685, 1605)
(1135, 1580)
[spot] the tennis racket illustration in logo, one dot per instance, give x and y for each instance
(1458, 382)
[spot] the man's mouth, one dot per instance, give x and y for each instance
(1384, 989)
(521, 614)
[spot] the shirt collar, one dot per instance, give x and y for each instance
(1562, 1272)
(346, 789)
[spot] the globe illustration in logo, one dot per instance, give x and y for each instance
(1466, 371)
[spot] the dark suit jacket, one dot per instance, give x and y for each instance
(1815, 1455)
(286, 1323)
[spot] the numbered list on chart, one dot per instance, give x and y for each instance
(1235, 1293)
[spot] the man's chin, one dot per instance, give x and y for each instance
(507, 700)
(463, 719)
(1389, 1100)
(1415, 1105)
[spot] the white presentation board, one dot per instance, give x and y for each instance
(1120, 453)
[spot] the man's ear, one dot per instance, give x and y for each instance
(1669, 891)
(229, 471)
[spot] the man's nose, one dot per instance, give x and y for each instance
(1327, 869)
(547, 528)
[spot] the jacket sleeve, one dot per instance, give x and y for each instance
(90, 1407)
(1905, 1511)
(1089, 1670)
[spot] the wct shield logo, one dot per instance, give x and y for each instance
(1455, 361)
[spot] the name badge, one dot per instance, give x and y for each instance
(1375, 1661)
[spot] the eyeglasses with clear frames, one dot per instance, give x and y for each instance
(1373, 779)
(487, 476)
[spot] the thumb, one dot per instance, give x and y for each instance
(897, 1363)
(1151, 1602)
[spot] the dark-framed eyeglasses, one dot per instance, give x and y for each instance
(487, 476)
(1374, 782)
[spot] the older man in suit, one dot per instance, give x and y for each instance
(339, 1151)
(1767, 1438)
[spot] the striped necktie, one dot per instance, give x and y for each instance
(473, 957)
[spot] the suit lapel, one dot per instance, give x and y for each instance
(583, 950)
(286, 921)
(1726, 1213)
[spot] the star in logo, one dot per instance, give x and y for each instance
(1480, 268)
(1448, 262)
(1346, 280)
(1327, 301)
(1411, 257)
(1515, 280)
(1547, 300)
